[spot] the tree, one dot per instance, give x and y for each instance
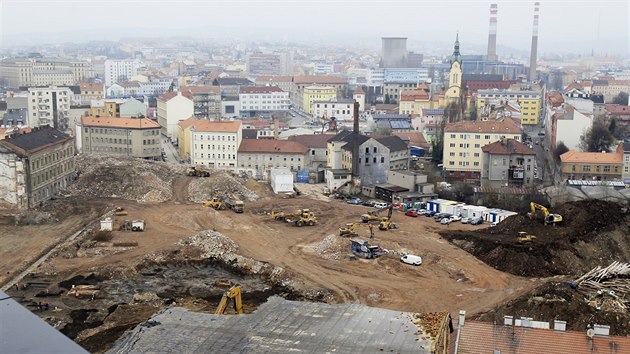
(560, 149)
(437, 143)
(612, 126)
(596, 139)
(621, 98)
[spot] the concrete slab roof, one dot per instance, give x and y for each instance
(279, 326)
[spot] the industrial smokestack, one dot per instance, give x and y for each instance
(534, 52)
(276, 125)
(355, 141)
(492, 35)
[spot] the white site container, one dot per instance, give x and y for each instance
(281, 180)
(107, 224)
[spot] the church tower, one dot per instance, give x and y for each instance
(453, 93)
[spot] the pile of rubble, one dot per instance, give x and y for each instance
(212, 244)
(220, 184)
(607, 288)
(126, 178)
(331, 247)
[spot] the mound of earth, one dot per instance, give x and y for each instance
(592, 233)
(126, 178)
(220, 184)
(558, 301)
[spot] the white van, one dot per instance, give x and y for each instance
(381, 205)
(411, 259)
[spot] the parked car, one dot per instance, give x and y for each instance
(355, 201)
(465, 220)
(411, 213)
(430, 213)
(446, 221)
(476, 221)
(440, 216)
(369, 203)
(381, 205)
(422, 212)
(411, 259)
(456, 218)
(541, 134)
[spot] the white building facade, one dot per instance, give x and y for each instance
(263, 98)
(215, 144)
(117, 70)
(49, 106)
(171, 108)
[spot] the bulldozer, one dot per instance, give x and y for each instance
(350, 230)
(215, 203)
(372, 216)
(233, 294)
(550, 219)
(305, 218)
(524, 237)
(197, 171)
(283, 216)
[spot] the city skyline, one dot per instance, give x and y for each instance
(563, 28)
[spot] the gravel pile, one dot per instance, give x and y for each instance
(331, 247)
(220, 184)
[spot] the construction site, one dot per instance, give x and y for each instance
(182, 239)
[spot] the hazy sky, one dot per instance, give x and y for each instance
(564, 24)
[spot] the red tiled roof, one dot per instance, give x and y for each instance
(415, 139)
(187, 122)
(257, 123)
(204, 125)
(169, 95)
(415, 94)
(481, 337)
(617, 109)
(88, 86)
(574, 157)
(272, 145)
(555, 99)
(201, 89)
(359, 91)
(271, 79)
(312, 140)
(508, 147)
(119, 122)
(259, 89)
(505, 125)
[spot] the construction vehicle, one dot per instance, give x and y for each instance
(372, 216)
(305, 218)
(120, 211)
(233, 294)
(362, 249)
(350, 230)
(135, 225)
(524, 237)
(387, 223)
(197, 171)
(215, 203)
(283, 216)
(550, 219)
(236, 205)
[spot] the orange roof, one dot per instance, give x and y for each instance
(508, 147)
(555, 98)
(481, 337)
(505, 125)
(204, 125)
(271, 79)
(259, 89)
(272, 145)
(187, 122)
(359, 91)
(415, 139)
(201, 89)
(415, 94)
(318, 80)
(575, 157)
(169, 95)
(89, 86)
(119, 122)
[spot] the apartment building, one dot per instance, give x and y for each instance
(280, 63)
(285, 83)
(596, 166)
(109, 107)
(415, 100)
(133, 108)
(300, 83)
(19, 72)
(626, 162)
(35, 165)
(231, 86)
(120, 70)
(317, 155)
(91, 91)
(206, 101)
(507, 162)
(135, 137)
(254, 99)
(610, 88)
(49, 106)
(463, 140)
(173, 107)
(317, 93)
(340, 109)
(392, 90)
(528, 100)
(213, 143)
(260, 156)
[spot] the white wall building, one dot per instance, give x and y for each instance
(120, 70)
(215, 144)
(340, 109)
(49, 106)
(263, 98)
(171, 108)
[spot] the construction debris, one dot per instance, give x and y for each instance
(607, 287)
(221, 184)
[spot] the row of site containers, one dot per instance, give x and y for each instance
(468, 211)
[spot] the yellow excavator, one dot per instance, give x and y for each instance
(233, 294)
(350, 230)
(387, 223)
(550, 219)
(215, 203)
(373, 215)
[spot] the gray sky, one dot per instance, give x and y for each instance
(564, 24)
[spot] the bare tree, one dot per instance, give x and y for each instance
(621, 98)
(597, 139)
(560, 149)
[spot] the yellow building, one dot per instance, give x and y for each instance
(529, 101)
(413, 101)
(183, 138)
(317, 93)
(463, 140)
(599, 166)
(106, 108)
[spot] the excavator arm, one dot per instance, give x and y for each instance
(233, 294)
(550, 219)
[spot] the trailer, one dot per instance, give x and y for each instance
(362, 249)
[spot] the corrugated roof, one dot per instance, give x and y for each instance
(279, 326)
(573, 156)
(505, 125)
(272, 145)
(119, 122)
(481, 337)
(508, 147)
(432, 112)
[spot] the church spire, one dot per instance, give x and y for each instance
(456, 55)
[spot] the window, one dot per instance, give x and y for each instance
(476, 164)
(452, 145)
(367, 159)
(453, 136)
(367, 150)
(477, 146)
(451, 163)
(476, 154)
(573, 168)
(452, 154)
(375, 149)
(487, 137)
(586, 168)
(477, 136)
(382, 159)
(607, 168)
